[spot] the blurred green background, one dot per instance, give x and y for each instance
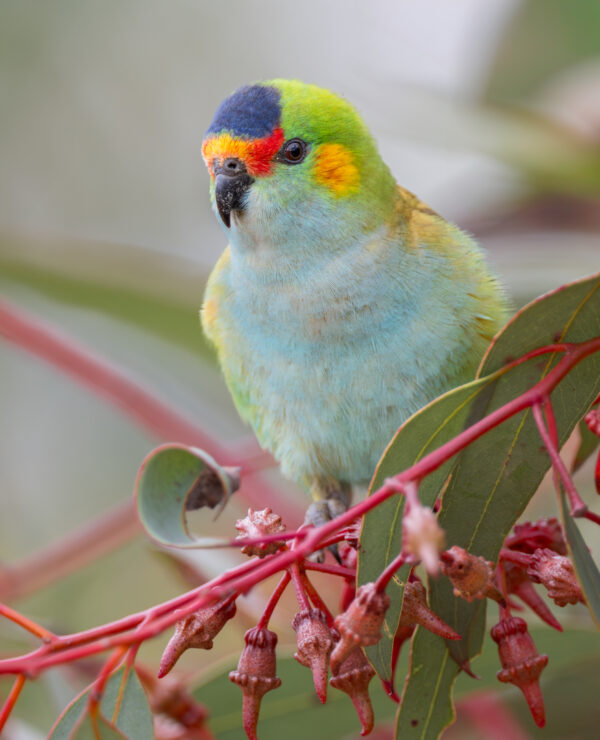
(489, 111)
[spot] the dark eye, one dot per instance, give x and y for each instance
(293, 151)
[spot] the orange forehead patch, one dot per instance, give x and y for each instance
(257, 154)
(335, 168)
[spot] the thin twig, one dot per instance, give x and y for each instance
(11, 700)
(334, 570)
(301, 596)
(578, 507)
(386, 575)
(27, 624)
(263, 622)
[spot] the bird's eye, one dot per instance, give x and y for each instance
(293, 151)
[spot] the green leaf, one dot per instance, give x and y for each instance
(585, 567)
(99, 728)
(123, 704)
(496, 476)
(426, 701)
(587, 445)
(381, 536)
(492, 480)
(173, 479)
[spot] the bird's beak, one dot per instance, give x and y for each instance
(231, 184)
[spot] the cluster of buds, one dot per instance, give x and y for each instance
(536, 553)
(323, 643)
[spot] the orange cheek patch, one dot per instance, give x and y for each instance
(335, 168)
(257, 154)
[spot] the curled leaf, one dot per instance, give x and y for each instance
(174, 479)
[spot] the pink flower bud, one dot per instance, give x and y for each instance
(556, 573)
(177, 711)
(416, 611)
(422, 536)
(196, 631)
(471, 576)
(521, 663)
(260, 524)
(518, 583)
(361, 623)
(529, 536)
(315, 643)
(255, 674)
(592, 419)
(353, 676)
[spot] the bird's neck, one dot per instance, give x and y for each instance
(278, 245)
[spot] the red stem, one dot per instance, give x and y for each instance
(26, 623)
(387, 575)
(334, 570)
(513, 556)
(100, 683)
(316, 599)
(11, 700)
(98, 375)
(578, 507)
(301, 596)
(592, 517)
(263, 622)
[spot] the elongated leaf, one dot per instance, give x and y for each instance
(381, 536)
(124, 705)
(585, 567)
(495, 477)
(173, 479)
(427, 701)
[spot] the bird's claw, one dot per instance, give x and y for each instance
(323, 511)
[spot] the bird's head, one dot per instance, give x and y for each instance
(294, 161)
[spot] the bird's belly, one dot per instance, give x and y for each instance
(325, 407)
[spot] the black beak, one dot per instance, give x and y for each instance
(231, 184)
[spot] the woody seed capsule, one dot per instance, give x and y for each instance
(255, 674)
(521, 663)
(360, 624)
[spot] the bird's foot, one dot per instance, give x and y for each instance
(333, 503)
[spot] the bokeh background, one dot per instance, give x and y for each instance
(489, 111)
